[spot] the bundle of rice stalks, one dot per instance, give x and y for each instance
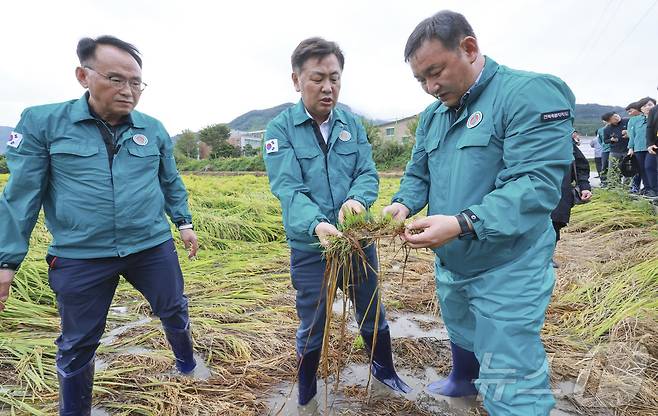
(346, 267)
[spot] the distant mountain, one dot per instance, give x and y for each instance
(588, 117)
(589, 111)
(4, 137)
(258, 119)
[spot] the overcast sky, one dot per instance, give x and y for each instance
(210, 61)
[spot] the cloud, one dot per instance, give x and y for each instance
(208, 62)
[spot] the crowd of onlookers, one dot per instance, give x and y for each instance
(625, 157)
(625, 149)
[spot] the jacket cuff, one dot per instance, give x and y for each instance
(10, 266)
(476, 221)
(400, 200)
(311, 229)
(357, 199)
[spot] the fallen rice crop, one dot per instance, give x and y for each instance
(601, 323)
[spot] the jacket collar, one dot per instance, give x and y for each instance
(80, 111)
(300, 115)
(488, 72)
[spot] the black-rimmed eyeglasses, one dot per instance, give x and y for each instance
(118, 82)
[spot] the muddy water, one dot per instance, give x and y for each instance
(112, 335)
(282, 400)
(402, 324)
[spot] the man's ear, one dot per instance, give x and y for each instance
(469, 45)
(81, 76)
(295, 81)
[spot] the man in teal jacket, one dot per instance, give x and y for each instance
(107, 180)
(320, 167)
(489, 158)
(637, 146)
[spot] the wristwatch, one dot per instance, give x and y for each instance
(184, 225)
(465, 232)
(10, 266)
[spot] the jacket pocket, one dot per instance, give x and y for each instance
(143, 151)
(474, 140)
(312, 166)
(74, 159)
(142, 160)
(346, 148)
(431, 144)
(73, 149)
(345, 158)
(307, 152)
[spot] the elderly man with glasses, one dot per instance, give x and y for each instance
(107, 180)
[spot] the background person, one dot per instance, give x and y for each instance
(596, 145)
(637, 146)
(616, 135)
(651, 164)
(577, 179)
(605, 153)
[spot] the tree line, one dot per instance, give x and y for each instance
(209, 150)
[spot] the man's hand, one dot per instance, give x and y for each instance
(435, 231)
(191, 243)
(653, 149)
(6, 277)
(630, 152)
(398, 211)
(324, 230)
(585, 195)
(350, 207)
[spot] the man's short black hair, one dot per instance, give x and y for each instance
(315, 47)
(446, 26)
(87, 48)
(607, 116)
(636, 105)
(643, 101)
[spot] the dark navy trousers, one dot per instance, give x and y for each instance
(85, 287)
(641, 175)
(650, 171)
(307, 272)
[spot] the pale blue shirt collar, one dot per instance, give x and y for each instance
(468, 92)
(325, 127)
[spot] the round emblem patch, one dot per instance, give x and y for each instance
(140, 139)
(345, 135)
(474, 120)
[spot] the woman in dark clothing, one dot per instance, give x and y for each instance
(578, 174)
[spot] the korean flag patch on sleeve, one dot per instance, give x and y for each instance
(15, 139)
(271, 146)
